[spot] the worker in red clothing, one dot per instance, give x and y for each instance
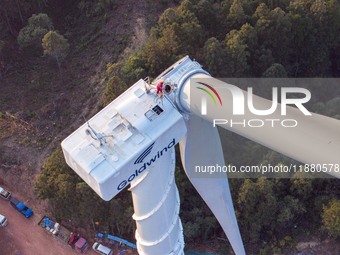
(159, 88)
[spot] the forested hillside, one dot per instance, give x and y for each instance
(62, 60)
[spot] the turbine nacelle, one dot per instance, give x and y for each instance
(121, 142)
(124, 139)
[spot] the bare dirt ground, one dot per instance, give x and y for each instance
(35, 118)
(317, 247)
(24, 237)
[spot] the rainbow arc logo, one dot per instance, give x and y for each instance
(209, 90)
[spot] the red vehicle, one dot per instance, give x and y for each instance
(81, 245)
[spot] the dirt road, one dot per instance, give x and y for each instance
(24, 237)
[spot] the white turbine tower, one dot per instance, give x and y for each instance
(131, 143)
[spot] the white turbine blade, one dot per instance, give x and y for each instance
(202, 146)
(315, 140)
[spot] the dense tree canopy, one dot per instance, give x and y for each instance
(302, 36)
(56, 46)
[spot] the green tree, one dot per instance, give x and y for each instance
(236, 8)
(133, 68)
(302, 35)
(237, 50)
(331, 218)
(72, 199)
(236, 17)
(315, 36)
(174, 36)
(56, 46)
(90, 206)
(186, 5)
(115, 86)
(56, 182)
(168, 17)
(199, 225)
(273, 29)
(159, 52)
(189, 32)
(55, 165)
(215, 56)
(191, 230)
(207, 15)
(290, 209)
(260, 59)
(31, 35)
(257, 206)
(276, 70)
(301, 186)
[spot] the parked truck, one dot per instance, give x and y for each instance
(5, 194)
(63, 234)
(21, 207)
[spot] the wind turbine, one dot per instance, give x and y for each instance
(131, 143)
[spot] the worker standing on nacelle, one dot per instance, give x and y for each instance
(159, 88)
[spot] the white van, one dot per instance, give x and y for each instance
(3, 221)
(101, 249)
